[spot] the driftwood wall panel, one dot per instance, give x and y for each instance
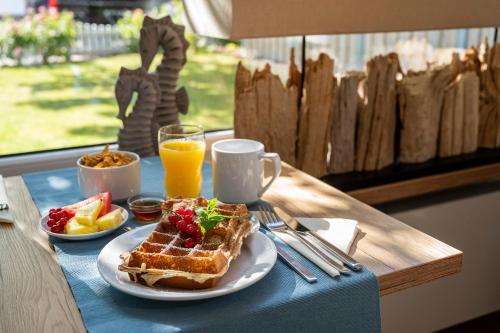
(420, 102)
(377, 120)
(344, 119)
(489, 116)
(261, 101)
(460, 119)
(444, 111)
(315, 116)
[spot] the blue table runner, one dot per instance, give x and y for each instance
(282, 301)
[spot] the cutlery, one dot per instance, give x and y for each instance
(295, 265)
(273, 223)
(332, 249)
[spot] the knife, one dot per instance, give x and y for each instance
(292, 263)
(332, 249)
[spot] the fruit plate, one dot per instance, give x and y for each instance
(257, 257)
(45, 227)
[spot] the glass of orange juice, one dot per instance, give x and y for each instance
(182, 150)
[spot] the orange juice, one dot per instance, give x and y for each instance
(182, 161)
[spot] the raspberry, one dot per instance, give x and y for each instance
(188, 218)
(52, 210)
(58, 209)
(189, 243)
(63, 221)
(57, 228)
(60, 215)
(173, 219)
(181, 225)
(198, 234)
(188, 212)
(180, 211)
(191, 229)
(51, 222)
(52, 215)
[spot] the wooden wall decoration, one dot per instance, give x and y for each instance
(460, 117)
(261, 102)
(444, 111)
(315, 116)
(489, 115)
(139, 132)
(420, 102)
(377, 120)
(344, 121)
(158, 100)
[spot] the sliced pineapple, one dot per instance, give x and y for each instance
(110, 220)
(75, 228)
(87, 215)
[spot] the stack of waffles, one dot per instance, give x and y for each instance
(161, 260)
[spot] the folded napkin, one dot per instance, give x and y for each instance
(338, 231)
(5, 214)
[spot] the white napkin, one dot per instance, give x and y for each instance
(5, 215)
(340, 232)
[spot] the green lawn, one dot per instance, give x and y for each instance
(64, 105)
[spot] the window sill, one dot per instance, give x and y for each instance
(17, 165)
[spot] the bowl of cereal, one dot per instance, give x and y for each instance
(117, 172)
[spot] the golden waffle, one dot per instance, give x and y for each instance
(161, 260)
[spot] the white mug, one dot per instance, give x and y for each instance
(237, 170)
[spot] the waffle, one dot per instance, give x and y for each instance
(161, 261)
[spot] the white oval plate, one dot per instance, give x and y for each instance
(45, 227)
(257, 257)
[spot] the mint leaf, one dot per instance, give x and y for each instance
(209, 217)
(211, 204)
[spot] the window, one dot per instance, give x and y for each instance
(59, 63)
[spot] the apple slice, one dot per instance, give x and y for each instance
(87, 215)
(110, 220)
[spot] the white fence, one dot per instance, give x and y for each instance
(98, 40)
(352, 51)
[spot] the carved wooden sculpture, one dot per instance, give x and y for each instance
(156, 33)
(139, 132)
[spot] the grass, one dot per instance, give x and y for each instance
(65, 105)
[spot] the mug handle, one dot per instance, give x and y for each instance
(275, 158)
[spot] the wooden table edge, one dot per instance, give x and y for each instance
(418, 275)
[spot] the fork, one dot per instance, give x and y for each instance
(271, 221)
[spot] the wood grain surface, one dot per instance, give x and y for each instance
(34, 296)
(398, 254)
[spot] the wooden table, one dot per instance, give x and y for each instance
(35, 296)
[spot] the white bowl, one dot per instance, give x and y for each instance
(122, 182)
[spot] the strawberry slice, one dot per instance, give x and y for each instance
(106, 200)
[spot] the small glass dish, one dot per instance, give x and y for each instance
(146, 207)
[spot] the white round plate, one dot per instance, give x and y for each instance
(257, 257)
(45, 227)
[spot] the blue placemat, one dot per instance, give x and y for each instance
(282, 301)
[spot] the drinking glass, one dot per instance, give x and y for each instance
(182, 150)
